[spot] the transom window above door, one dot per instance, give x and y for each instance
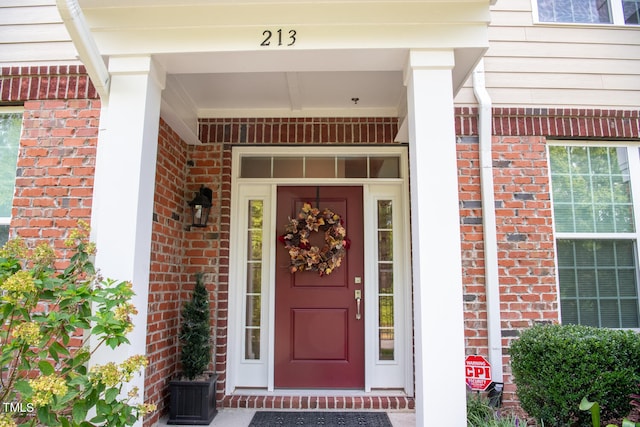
(371, 166)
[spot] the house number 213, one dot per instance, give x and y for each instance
(269, 37)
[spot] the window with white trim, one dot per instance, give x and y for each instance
(618, 12)
(10, 127)
(596, 223)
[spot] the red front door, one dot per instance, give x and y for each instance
(319, 341)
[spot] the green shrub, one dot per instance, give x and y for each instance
(195, 335)
(44, 377)
(555, 366)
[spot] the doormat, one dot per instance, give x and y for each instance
(319, 418)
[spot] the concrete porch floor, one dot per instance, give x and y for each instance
(232, 417)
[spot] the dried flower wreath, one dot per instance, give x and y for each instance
(313, 258)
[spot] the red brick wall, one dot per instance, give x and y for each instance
(56, 160)
(39, 83)
(526, 251)
(55, 184)
(167, 269)
(333, 130)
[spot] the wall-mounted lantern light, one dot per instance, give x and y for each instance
(200, 207)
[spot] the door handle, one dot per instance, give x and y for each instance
(358, 297)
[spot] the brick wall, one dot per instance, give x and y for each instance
(56, 160)
(47, 82)
(54, 189)
(167, 269)
(207, 248)
(526, 251)
(332, 130)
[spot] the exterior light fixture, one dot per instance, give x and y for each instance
(200, 207)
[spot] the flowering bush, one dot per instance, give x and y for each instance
(47, 318)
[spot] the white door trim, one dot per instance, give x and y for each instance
(258, 374)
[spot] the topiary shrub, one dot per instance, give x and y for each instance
(555, 366)
(195, 333)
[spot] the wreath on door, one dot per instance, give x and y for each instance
(305, 257)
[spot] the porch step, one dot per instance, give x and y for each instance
(319, 402)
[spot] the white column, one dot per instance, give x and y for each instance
(124, 186)
(435, 224)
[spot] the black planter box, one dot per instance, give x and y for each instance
(193, 402)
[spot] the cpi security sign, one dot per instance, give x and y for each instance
(477, 372)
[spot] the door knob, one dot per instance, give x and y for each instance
(358, 297)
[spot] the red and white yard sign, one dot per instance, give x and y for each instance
(477, 372)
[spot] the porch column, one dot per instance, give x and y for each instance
(437, 270)
(124, 188)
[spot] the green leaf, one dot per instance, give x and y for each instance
(59, 348)
(79, 412)
(111, 395)
(102, 407)
(46, 368)
(6, 311)
(585, 405)
(23, 387)
(98, 419)
(47, 417)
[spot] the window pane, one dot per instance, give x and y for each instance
(287, 167)
(631, 9)
(384, 167)
(10, 126)
(253, 310)
(385, 278)
(252, 344)
(385, 214)
(320, 167)
(4, 234)
(255, 167)
(352, 167)
(385, 245)
(386, 311)
(386, 344)
(591, 190)
(254, 278)
(600, 287)
(584, 11)
(629, 313)
(569, 311)
(255, 245)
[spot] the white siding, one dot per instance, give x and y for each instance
(32, 33)
(543, 65)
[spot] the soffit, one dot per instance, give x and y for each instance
(216, 66)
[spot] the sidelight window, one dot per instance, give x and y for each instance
(386, 317)
(253, 294)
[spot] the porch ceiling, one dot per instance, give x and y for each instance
(348, 58)
(339, 83)
(301, 83)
